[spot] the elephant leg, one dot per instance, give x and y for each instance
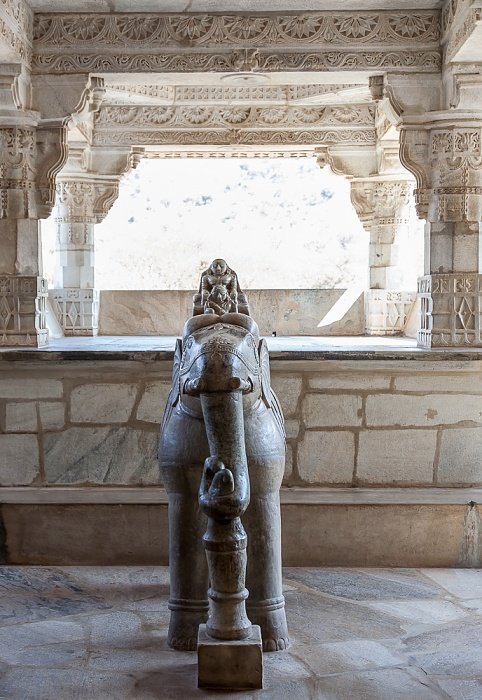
(188, 600)
(265, 604)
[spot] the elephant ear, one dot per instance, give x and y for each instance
(173, 397)
(269, 397)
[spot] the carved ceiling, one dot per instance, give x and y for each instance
(272, 74)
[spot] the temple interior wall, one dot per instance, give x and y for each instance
(284, 311)
(85, 434)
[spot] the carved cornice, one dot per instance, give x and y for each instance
(16, 28)
(235, 136)
(66, 43)
(228, 116)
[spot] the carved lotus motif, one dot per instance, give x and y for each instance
(84, 28)
(272, 115)
(235, 115)
(246, 27)
(304, 27)
(198, 115)
(345, 115)
(308, 115)
(138, 28)
(158, 115)
(358, 27)
(121, 115)
(411, 26)
(191, 28)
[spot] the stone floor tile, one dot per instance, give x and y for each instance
(151, 657)
(21, 642)
(357, 584)
(60, 684)
(389, 684)
(449, 636)
(119, 629)
(341, 657)
(462, 583)
(422, 612)
(461, 689)
(316, 618)
(464, 663)
(473, 604)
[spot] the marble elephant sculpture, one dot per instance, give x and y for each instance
(221, 407)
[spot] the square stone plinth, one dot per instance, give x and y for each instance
(230, 665)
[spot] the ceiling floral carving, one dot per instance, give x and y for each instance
(270, 29)
(232, 115)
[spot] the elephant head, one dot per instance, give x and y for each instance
(220, 372)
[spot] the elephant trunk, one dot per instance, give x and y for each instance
(224, 492)
(224, 496)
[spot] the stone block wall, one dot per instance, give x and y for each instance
(374, 445)
(87, 424)
(366, 423)
(382, 423)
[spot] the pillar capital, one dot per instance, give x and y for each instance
(445, 156)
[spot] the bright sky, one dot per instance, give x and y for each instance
(280, 223)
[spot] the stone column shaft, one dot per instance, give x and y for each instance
(81, 203)
(383, 205)
(22, 290)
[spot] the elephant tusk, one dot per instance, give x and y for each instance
(236, 384)
(195, 386)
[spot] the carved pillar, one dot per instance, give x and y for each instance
(29, 159)
(383, 205)
(86, 189)
(81, 203)
(446, 157)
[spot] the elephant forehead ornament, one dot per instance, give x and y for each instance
(221, 456)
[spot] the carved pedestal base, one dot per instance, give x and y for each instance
(76, 310)
(451, 310)
(230, 665)
(22, 311)
(386, 311)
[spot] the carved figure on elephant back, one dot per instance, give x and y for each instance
(221, 407)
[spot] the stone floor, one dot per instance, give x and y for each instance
(357, 634)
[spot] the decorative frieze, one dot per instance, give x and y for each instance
(228, 62)
(270, 29)
(228, 116)
(23, 311)
(76, 310)
(235, 136)
(451, 310)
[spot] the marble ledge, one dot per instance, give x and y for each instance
(289, 496)
(291, 348)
